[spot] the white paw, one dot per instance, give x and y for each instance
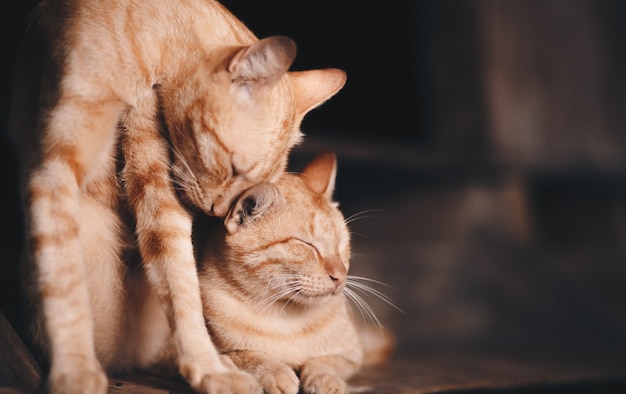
(229, 383)
(77, 378)
(324, 384)
(280, 380)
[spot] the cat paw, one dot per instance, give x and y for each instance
(229, 383)
(324, 384)
(76, 379)
(280, 380)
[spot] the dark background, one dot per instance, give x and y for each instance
(488, 138)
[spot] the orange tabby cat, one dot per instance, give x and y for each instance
(95, 80)
(273, 281)
(273, 284)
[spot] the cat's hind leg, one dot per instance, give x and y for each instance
(72, 140)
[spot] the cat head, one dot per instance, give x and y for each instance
(288, 241)
(233, 117)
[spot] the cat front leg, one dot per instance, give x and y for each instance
(327, 374)
(163, 228)
(275, 377)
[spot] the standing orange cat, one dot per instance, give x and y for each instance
(121, 110)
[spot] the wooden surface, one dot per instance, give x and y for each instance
(451, 372)
(432, 371)
(445, 372)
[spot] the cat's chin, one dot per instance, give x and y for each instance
(315, 300)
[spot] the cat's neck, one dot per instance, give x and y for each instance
(162, 46)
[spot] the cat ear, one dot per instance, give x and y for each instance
(319, 175)
(263, 63)
(252, 204)
(313, 87)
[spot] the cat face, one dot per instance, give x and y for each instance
(234, 118)
(287, 241)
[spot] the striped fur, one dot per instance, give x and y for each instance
(272, 286)
(288, 233)
(122, 110)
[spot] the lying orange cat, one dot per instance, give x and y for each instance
(273, 278)
(273, 281)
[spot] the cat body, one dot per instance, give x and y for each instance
(125, 115)
(271, 275)
(272, 284)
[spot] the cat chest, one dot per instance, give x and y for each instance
(290, 340)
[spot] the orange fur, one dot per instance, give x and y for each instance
(272, 285)
(118, 105)
(273, 231)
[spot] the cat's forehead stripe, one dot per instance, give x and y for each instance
(269, 245)
(312, 222)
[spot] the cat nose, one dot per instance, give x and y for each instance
(338, 277)
(219, 207)
(336, 271)
(337, 280)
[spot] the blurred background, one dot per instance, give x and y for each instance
(483, 143)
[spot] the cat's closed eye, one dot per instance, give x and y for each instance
(309, 244)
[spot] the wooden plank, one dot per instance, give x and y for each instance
(139, 383)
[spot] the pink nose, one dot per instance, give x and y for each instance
(336, 271)
(338, 279)
(219, 207)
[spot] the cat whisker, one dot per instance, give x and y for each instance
(176, 182)
(179, 184)
(360, 235)
(293, 293)
(183, 177)
(290, 298)
(362, 215)
(287, 288)
(367, 313)
(286, 276)
(182, 159)
(281, 284)
(282, 280)
(264, 304)
(365, 289)
(357, 278)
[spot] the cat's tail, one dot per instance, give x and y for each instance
(378, 344)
